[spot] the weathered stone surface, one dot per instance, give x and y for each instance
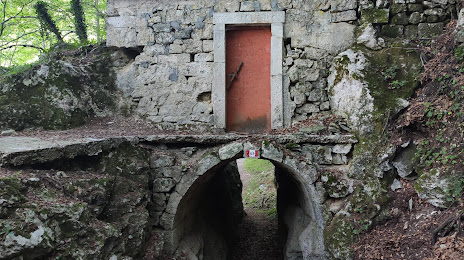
(434, 188)
(335, 186)
(163, 184)
(427, 30)
(379, 16)
(350, 97)
(230, 151)
(158, 161)
(58, 94)
(206, 163)
(404, 162)
(459, 36)
(396, 185)
(29, 150)
(271, 152)
(342, 149)
(369, 39)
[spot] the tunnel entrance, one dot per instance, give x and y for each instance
(258, 233)
(212, 223)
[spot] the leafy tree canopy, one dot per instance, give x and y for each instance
(23, 36)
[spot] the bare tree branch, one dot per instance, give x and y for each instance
(21, 45)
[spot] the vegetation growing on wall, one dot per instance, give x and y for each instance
(437, 112)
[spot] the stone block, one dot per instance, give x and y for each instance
(344, 16)
(308, 109)
(196, 69)
(392, 31)
(206, 163)
(208, 46)
(428, 30)
(163, 184)
(400, 19)
(203, 57)
(173, 172)
(398, 8)
(164, 38)
(309, 74)
(158, 161)
(173, 203)
(265, 5)
(416, 18)
(415, 7)
(277, 55)
(269, 151)
(304, 63)
(230, 151)
(342, 148)
(314, 53)
(247, 6)
(277, 102)
(193, 46)
(410, 31)
(375, 16)
(317, 95)
(219, 43)
(343, 5)
(176, 48)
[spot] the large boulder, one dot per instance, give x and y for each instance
(368, 87)
(60, 93)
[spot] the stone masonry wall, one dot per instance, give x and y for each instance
(170, 81)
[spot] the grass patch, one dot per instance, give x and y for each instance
(261, 192)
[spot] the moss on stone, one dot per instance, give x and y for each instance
(375, 15)
(57, 95)
(387, 91)
(338, 237)
(127, 160)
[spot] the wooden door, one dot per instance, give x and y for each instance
(248, 82)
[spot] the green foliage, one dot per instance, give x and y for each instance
(22, 38)
(459, 53)
(258, 166)
(390, 74)
(6, 229)
(46, 20)
(455, 190)
(260, 192)
(79, 20)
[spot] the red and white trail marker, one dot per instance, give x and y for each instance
(252, 153)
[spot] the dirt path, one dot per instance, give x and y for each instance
(257, 238)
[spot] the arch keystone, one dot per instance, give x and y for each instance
(230, 151)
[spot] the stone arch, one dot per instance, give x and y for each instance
(305, 235)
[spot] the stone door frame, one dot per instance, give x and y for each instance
(276, 21)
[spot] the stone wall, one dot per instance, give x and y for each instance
(170, 81)
(179, 193)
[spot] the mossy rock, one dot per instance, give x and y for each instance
(375, 16)
(12, 191)
(338, 237)
(128, 161)
(404, 64)
(57, 95)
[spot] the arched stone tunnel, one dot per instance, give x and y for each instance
(207, 207)
(188, 188)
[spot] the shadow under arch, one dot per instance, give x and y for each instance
(211, 208)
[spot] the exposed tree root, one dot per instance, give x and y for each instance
(450, 224)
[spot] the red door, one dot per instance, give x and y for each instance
(248, 82)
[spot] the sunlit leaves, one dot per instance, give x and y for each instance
(23, 39)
